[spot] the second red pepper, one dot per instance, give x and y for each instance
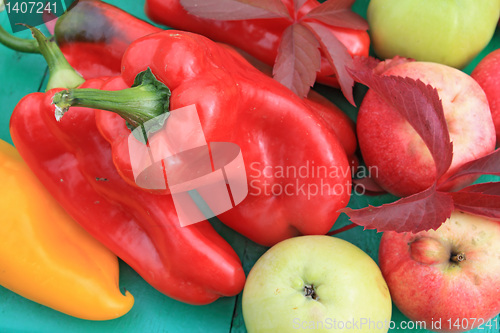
(259, 37)
(94, 35)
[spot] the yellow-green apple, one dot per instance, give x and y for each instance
(316, 282)
(449, 277)
(451, 32)
(400, 161)
(487, 74)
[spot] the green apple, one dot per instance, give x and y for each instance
(316, 282)
(451, 32)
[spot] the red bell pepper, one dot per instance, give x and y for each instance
(298, 174)
(193, 264)
(259, 37)
(94, 35)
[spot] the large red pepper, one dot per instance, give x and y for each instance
(193, 264)
(94, 35)
(259, 37)
(298, 174)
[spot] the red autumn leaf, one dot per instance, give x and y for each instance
(361, 63)
(338, 13)
(298, 59)
(379, 67)
(422, 211)
(337, 55)
(419, 103)
(486, 165)
(367, 186)
(492, 188)
(298, 4)
(480, 199)
(233, 10)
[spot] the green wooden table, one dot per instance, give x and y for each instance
(153, 312)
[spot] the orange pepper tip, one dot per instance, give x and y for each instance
(111, 308)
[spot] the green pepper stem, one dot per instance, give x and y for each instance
(18, 44)
(62, 75)
(147, 99)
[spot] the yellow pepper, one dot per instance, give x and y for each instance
(46, 256)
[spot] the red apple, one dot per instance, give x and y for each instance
(397, 156)
(487, 74)
(449, 277)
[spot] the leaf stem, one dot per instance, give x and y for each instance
(345, 228)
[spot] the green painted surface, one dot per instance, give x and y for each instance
(153, 312)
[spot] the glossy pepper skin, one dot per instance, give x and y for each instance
(259, 37)
(46, 256)
(279, 131)
(193, 264)
(94, 35)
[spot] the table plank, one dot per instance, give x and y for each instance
(20, 74)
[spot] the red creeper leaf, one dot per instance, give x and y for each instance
(422, 211)
(298, 4)
(298, 59)
(480, 199)
(492, 188)
(337, 55)
(233, 10)
(379, 67)
(338, 13)
(367, 186)
(361, 63)
(486, 165)
(419, 104)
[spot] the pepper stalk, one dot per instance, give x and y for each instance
(147, 99)
(18, 44)
(62, 75)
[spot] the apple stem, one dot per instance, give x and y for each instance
(459, 257)
(310, 292)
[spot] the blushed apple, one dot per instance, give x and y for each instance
(316, 282)
(451, 32)
(487, 74)
(449, 277)
(389, 145)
